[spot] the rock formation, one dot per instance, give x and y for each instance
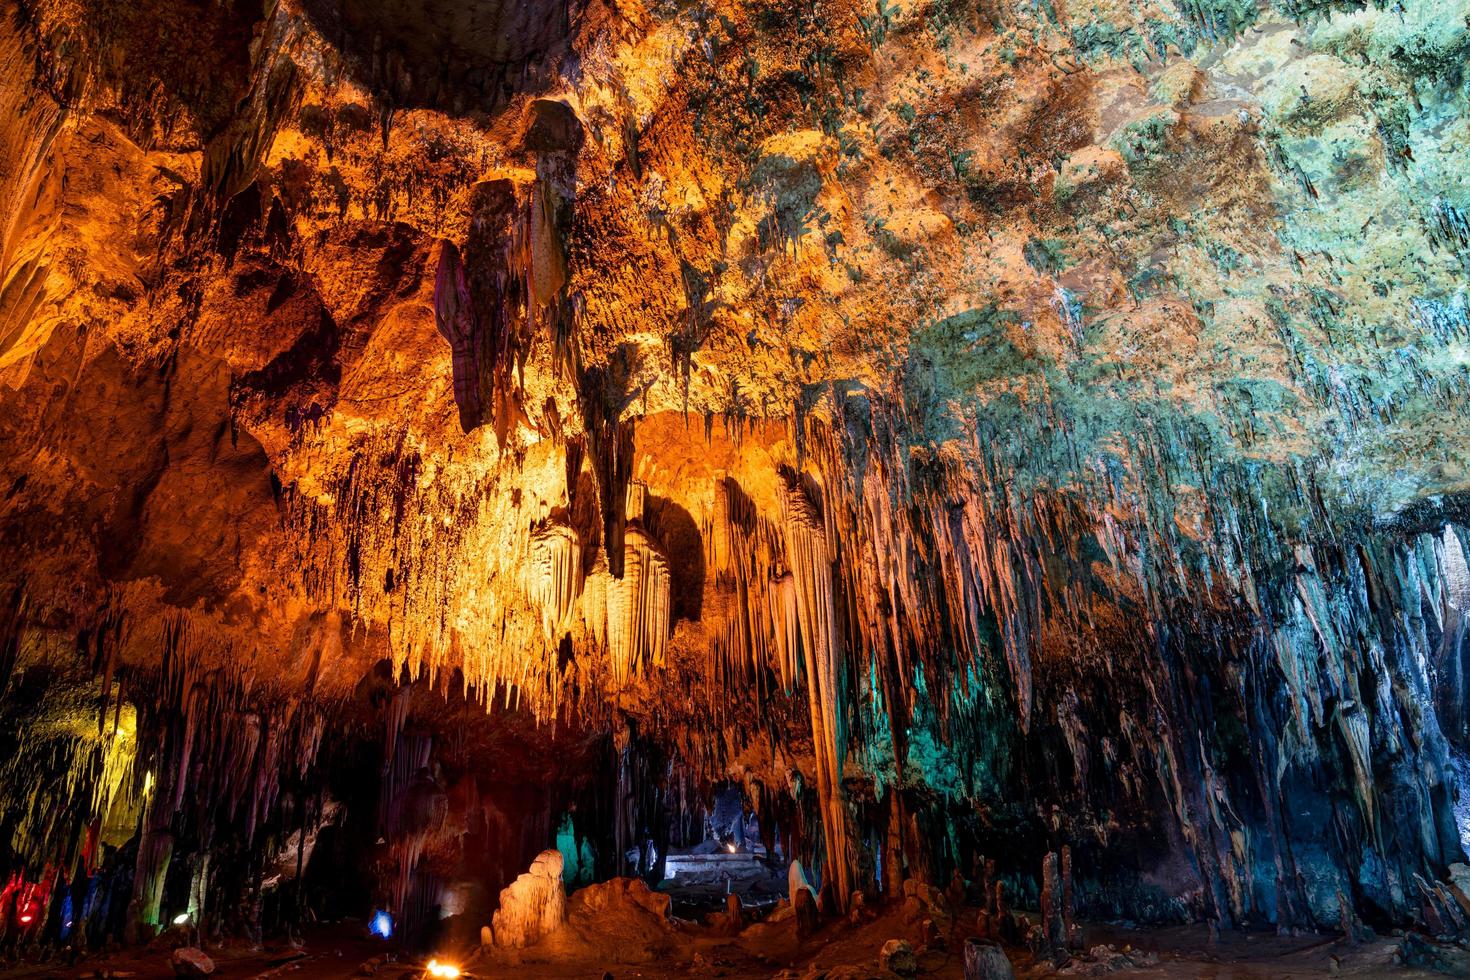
(533, 906)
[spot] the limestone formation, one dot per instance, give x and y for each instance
(897, 958)
(190, 961)
(533, 906)
(621, 893)
(985, 960)
(555, 577)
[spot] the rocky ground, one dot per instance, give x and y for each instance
(840, 951)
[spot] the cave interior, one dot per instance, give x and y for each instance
(956, 488)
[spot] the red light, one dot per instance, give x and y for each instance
(25, 918)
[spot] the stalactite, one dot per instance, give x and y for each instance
(610, 446)
(807, 540)
(554, 134)
(555, 576)
(1452, 658)
(412, 809)
(12, 611)
(232, 157)
(548, 260)
(455, 314)
(630, 617)
(513, 276)
(638, 607)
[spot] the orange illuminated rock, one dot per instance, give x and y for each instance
(532, 906)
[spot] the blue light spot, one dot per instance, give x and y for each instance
(382, 924)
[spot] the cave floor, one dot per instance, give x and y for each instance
(839, 950)
(851, 951)
(330, 952)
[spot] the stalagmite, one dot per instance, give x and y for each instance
(534, 905)
(986, 961)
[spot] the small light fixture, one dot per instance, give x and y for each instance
(443, 971)
(25, 918)
(181, 918)
(381, 925)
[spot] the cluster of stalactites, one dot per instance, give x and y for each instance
(555, 577)
(881, 580)
(885, 586)
(64, 776)
(223, 749)
(746, 562)
(630, 617)
(541, 595)
(191, 756)
(490, 296)
(871, 576)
